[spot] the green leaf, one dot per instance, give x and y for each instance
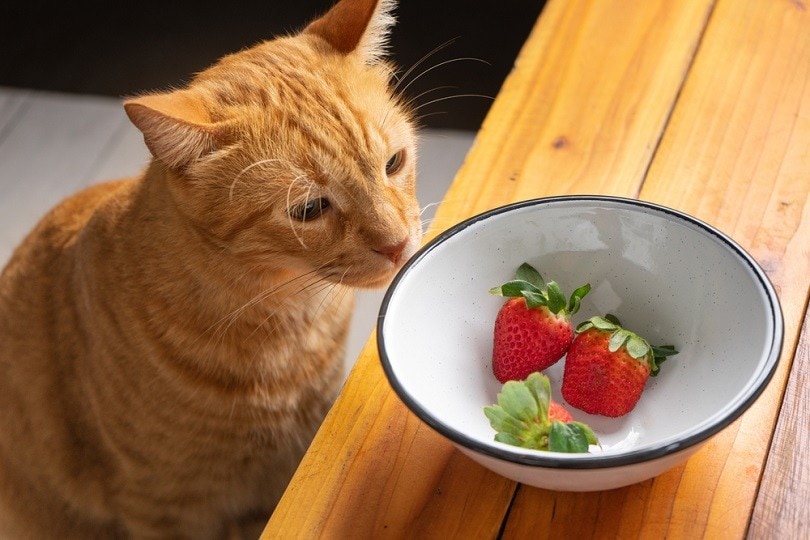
(568, 438)
(617, 339)
(540, 388)
(584, 325)
(508, 439)
(534, 300)
(521, 419)
(511, 289)
(576, 298)
(604, 323)
(573, 305)
(589, 434)
(527, 272)
(660, 353)
(556, 298)
(514, 289)
(664, 350)
(500, 420)
(637, 347)
(517, 400)
(613, 318)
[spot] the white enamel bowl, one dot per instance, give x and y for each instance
(666, 275)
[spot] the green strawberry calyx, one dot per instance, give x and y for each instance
(636, 346)
(521, 419)
(530, 285)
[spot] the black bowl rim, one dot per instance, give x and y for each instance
(591, 461)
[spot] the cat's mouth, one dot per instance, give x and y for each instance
(375, 268)
(370, 274)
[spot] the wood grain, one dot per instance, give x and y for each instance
(375, 470)
(582, 112)
(782, 509)
(751, 128)
(584, 108)
(736, 153)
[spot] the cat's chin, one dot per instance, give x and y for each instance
(378, 284)
(370, 279)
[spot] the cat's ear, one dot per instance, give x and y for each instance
(357, 26)
(176, 127)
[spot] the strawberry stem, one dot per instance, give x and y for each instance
(660, 354)
(636, 346)
(521, 418)
(528, 273)
(530, 285)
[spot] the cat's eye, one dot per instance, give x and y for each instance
(312, 209)
(395, 162)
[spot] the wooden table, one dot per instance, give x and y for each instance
(700, 105)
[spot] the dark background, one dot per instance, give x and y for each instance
(119, 49)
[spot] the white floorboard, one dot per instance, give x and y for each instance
(52, 145)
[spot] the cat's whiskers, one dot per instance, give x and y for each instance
(299, 178)
(427, 223)
(315, 288)
(423, 60)
(409, 103)
(247, 169)
(224, 324)
(331, 297)
(401, 80)
(427, 207)
(440, 64)
(454, 96)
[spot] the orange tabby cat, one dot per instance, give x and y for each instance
(169, 344)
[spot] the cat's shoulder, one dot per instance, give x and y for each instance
(60, 226)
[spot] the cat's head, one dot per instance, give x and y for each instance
(295, 153)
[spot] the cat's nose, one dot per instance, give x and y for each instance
(394, 251)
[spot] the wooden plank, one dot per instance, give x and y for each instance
(593, 100)
(585, 107)
(781, 509)
(742, 138)
(736, 155)
(355, 485)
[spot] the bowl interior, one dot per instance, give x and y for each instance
(666, 276)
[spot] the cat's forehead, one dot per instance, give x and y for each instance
(291, 72)
(293, 93)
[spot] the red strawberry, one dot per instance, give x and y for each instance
(607, 367)
(557, 412)
(533, 328)
(525, 416)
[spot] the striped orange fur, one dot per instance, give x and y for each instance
(170, 343)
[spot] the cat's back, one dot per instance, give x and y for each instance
(38, 346)
(34, 282)
(36, 285)
(55, 234)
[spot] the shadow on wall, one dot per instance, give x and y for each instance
(101, 48)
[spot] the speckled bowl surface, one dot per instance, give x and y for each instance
(668, 276)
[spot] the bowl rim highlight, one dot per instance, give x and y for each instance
(598, 460)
